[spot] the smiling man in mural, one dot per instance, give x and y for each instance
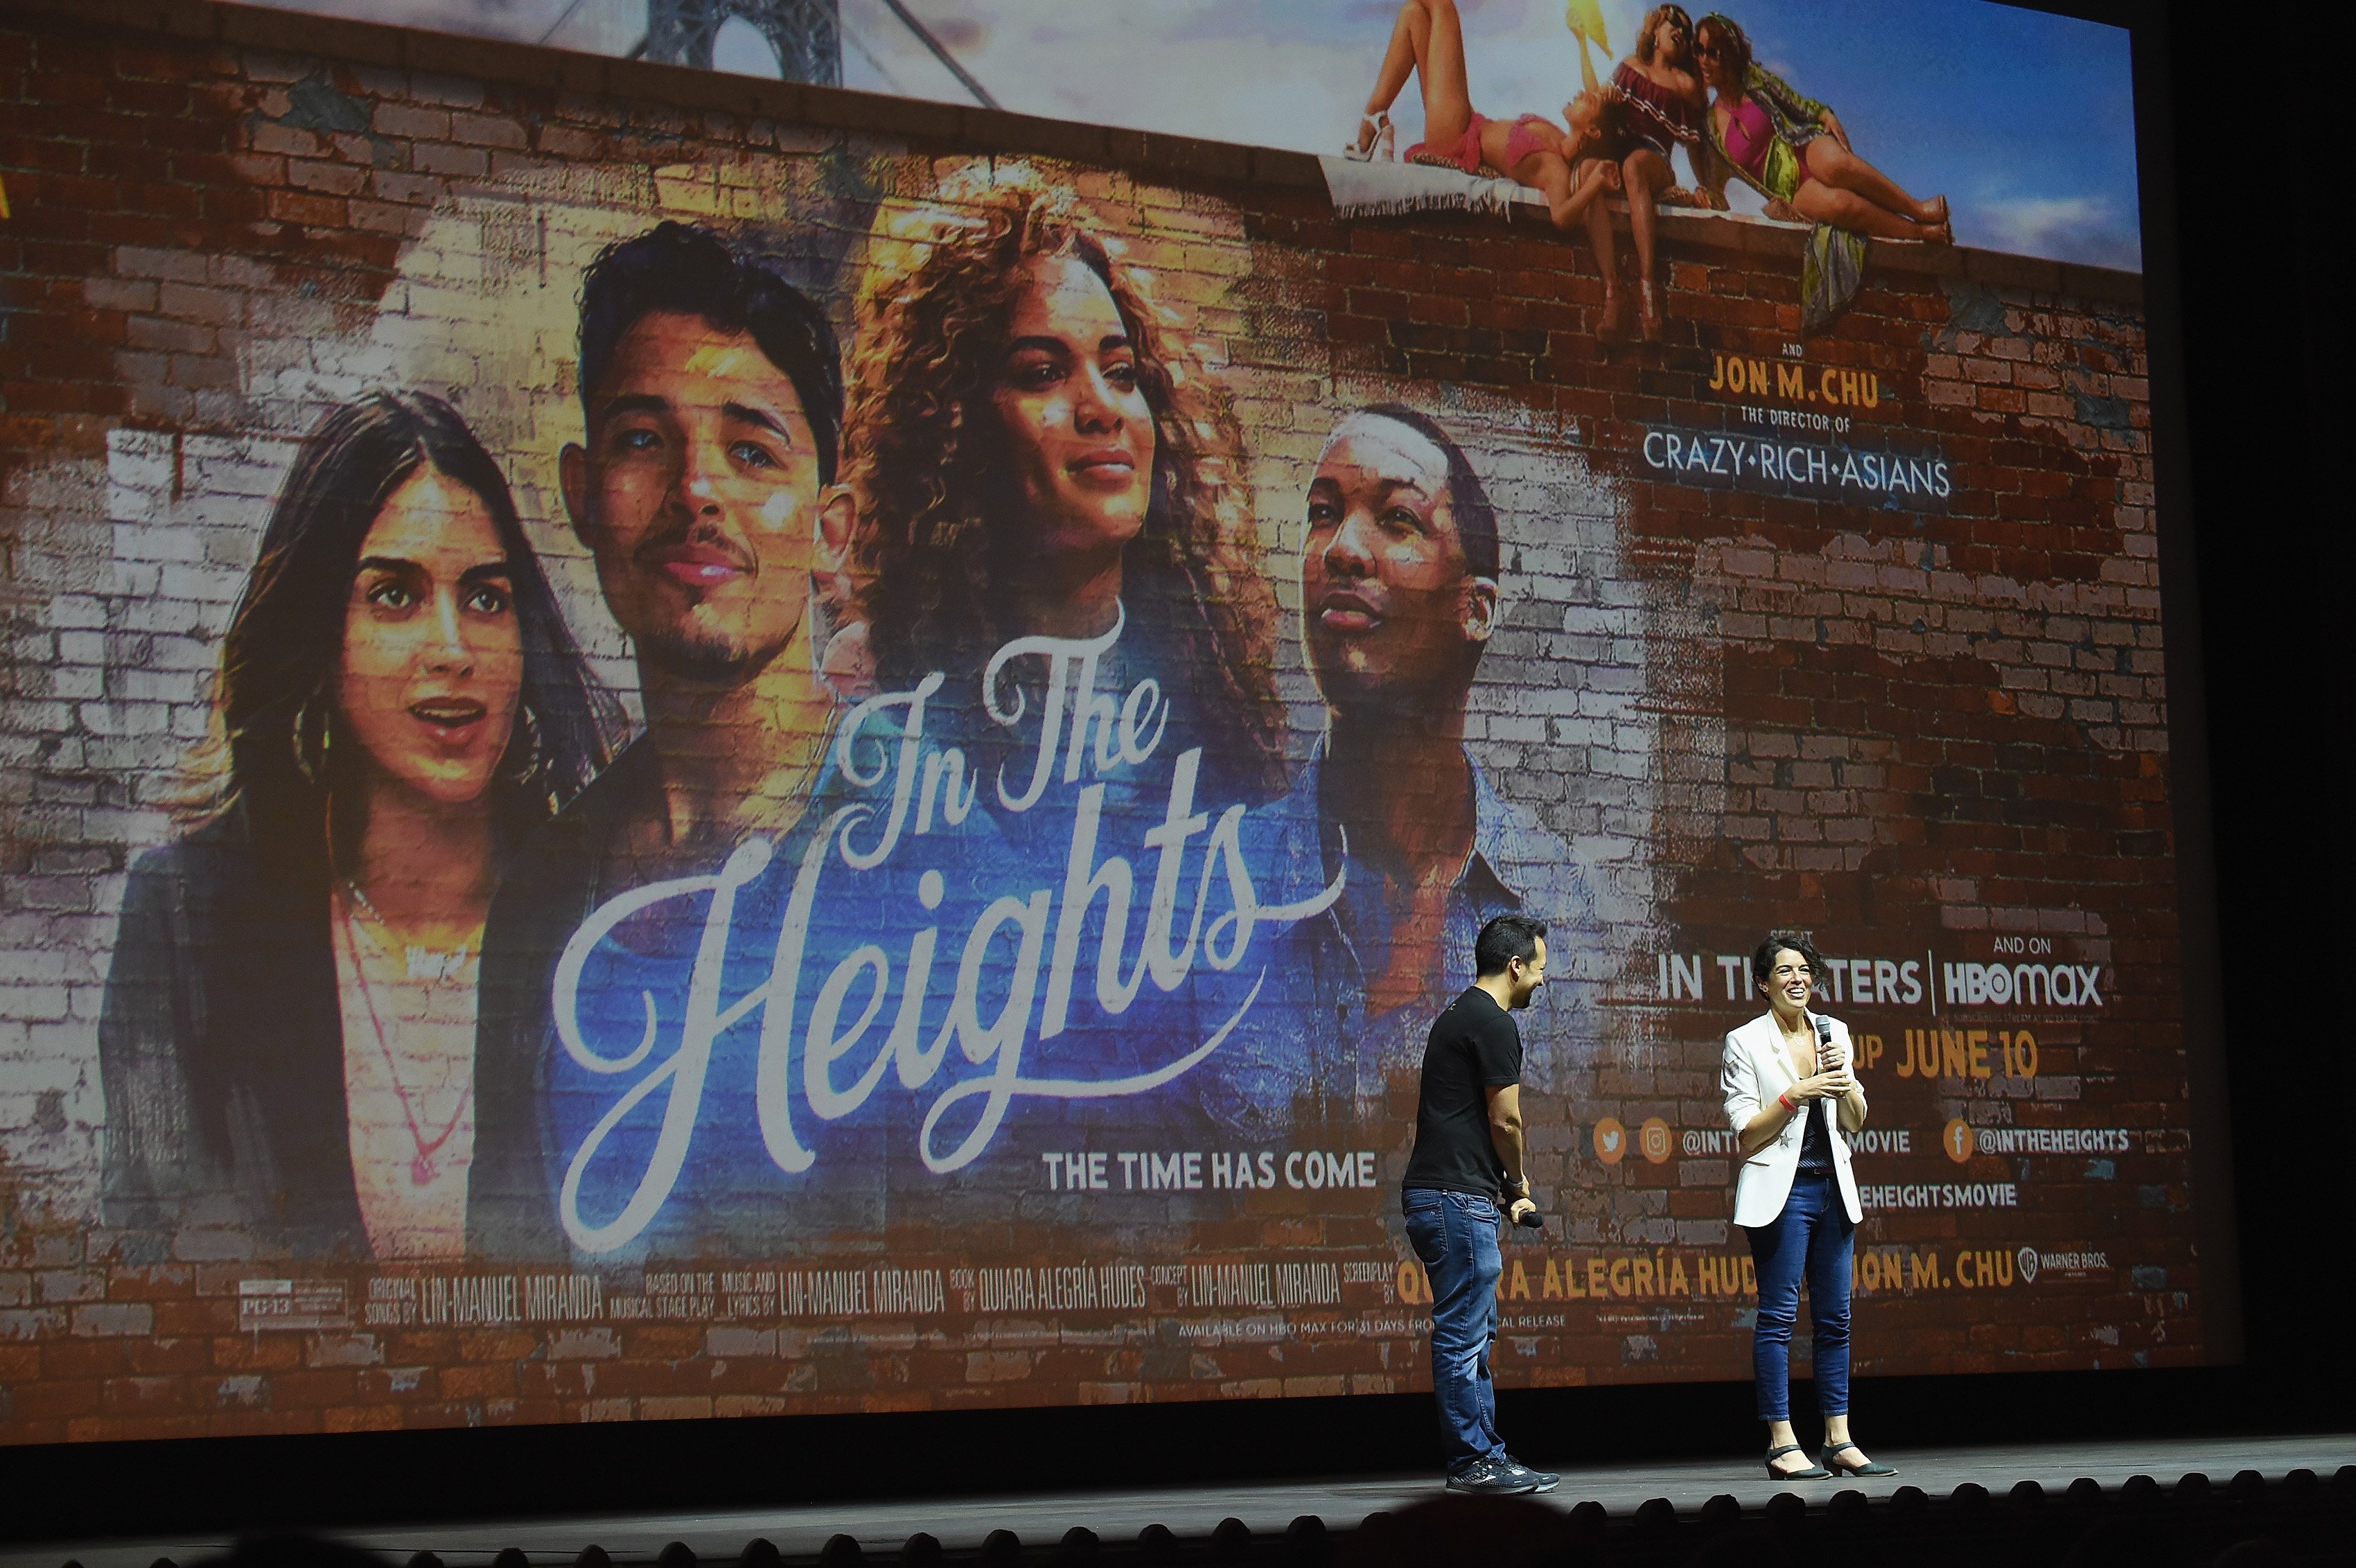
(1400, 601)
(712, 397)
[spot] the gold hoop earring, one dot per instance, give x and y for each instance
(524, 771)
(312, 736)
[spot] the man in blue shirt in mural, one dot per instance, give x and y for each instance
(1399, 600)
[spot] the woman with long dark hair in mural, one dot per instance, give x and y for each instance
(1035, 454)
(1794, 1101)
(1791, 149)
(1572, 169)
(287, 1038)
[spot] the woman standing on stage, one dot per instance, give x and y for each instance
(1793, 1101)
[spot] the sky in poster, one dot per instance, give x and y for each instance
(2024, 120)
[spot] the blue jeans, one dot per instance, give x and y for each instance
(1454, 1236)
(1811, 1236)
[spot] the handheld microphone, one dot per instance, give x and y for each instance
(1823, 1042)
(1533, 1220)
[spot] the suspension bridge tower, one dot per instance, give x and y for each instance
(807, 34)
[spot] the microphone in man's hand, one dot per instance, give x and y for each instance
(1531, 1219)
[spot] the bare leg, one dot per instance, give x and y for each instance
(1826, 160)
(1646, 173)
(1780, 1436)
(1410, 39)
(1427, 42)
(1607, 260)
(1821, 203)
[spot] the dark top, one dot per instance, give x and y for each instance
(221, 1053)
(536, 1105)
(557, 878)
(1655, 115)
(1815, 1144)
(1473, 1047)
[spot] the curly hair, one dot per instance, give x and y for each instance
(941, 520)
(1645, 47)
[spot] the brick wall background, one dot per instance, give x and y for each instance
(1917, 732)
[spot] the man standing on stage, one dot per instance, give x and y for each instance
(1467, 1161)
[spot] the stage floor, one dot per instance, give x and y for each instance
(1040, 1518)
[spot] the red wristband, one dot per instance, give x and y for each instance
(1785, 1101)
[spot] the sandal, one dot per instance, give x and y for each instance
(1813, 1473)
(1842, 1466)
(1375, 140)
(1609, 327)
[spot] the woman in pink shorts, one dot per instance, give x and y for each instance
(1570, 167)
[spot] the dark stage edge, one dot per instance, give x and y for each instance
(1041, 1518)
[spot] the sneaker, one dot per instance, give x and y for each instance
(1540, 1480)
(1494, 1479)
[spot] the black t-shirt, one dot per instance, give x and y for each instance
(1474, 1048)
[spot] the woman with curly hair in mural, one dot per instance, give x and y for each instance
(1035, 455)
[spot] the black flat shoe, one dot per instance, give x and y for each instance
(1842, 1467)
(1813, 1473)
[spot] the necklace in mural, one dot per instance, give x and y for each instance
(426, 1165)
(423, 962)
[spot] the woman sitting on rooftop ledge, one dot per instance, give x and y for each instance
(1571, 168)
(1793, 151)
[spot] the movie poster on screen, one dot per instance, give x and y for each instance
(739, 768)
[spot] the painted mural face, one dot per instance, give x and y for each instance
(1081, 431)
(1670, 37)
(1384, 589)
(697, 494)
(1712, 58)
(1584, 115)
(433, 660)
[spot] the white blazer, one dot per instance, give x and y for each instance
(1756, 1071)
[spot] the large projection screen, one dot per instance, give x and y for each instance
(663, 759)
